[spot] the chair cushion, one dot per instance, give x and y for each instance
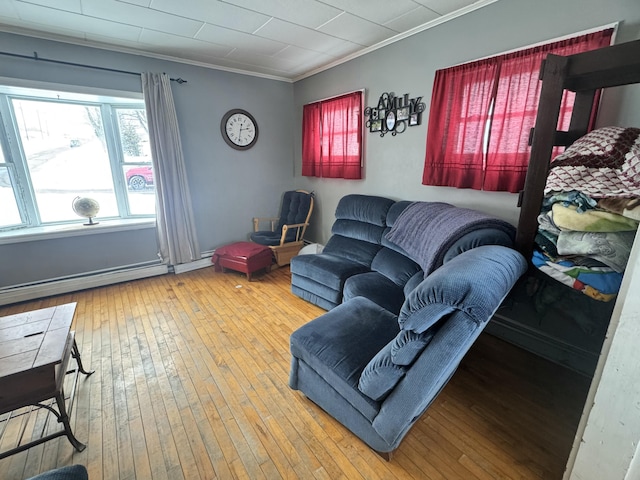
(267, 237)
(295, 208)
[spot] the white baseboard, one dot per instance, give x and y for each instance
(187, 267)
(60, 286)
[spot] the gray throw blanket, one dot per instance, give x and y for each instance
(426, 230)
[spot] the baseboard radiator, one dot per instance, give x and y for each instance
(101, 278)
(58, 286)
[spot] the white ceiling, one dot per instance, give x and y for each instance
(283, 39)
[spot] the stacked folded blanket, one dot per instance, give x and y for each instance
(591, 212)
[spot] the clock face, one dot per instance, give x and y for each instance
(239, 129)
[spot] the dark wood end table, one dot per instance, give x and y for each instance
(35, 348)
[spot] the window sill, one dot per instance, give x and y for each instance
(74, 230)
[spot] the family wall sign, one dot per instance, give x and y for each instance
(394, 114)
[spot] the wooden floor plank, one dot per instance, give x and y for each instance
(191, 382)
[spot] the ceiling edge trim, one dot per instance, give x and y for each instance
(133, 51)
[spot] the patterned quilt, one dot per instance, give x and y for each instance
(604, 163)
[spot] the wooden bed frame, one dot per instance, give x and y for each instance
(583, 73)
(553, 333)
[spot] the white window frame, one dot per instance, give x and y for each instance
(109, 102)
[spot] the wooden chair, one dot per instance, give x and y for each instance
(286, 234)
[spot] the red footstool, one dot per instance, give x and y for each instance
(246, 257)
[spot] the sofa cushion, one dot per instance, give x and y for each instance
(380, 375)
(408, 345)
(395, 266)
(375, 287)
(359, 251)
(473, 282)
(364, 208)
(326, 269)
(340, 343)
(477, 238)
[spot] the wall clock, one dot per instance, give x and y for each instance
(239, 129)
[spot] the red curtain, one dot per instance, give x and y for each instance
(457, 122)
(482, 112)
(332, 137)
(311, 140)
(516, 105)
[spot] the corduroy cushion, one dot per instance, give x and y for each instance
(408, 344)
(380, 375)
(71, 472)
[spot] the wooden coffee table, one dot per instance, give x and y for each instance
(35, 348)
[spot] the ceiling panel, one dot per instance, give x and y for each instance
(233, 38)
(308, 13)
(286, 32)
(357, 30)
(443, 7)
(75, 22)
(182, 47)
(377, 11)
(284, 39)
(214, 12)
(414, 18)
(141, 17)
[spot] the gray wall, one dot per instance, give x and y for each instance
(393, 165)
(228, 187)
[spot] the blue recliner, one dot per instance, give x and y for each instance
(70, 472)
(377, 372)
(286, 234)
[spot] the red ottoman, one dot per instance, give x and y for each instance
(246, 257)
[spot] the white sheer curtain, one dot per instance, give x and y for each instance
(175, 225)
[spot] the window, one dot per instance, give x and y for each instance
(332, 137)
(57, 146)
(482, 112)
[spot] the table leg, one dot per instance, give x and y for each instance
(75, 353)
(64, 419)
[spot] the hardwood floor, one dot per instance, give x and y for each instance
(191, 382)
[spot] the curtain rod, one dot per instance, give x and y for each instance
(61, 62)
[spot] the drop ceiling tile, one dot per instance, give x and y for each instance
(141, 17)
(250, 58)
(308, 13)
(58, 32)
(8, 9)
(173, 44)
(415, 18)
(75, 22)
(142, 3)
(377, 11)
(67, 5)
(233, 38)
(357, 30)
(297, 54)
(445, 6)
(213, 12)
(290, 33)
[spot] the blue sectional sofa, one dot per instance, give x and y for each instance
(359, 259)
(401, 317)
